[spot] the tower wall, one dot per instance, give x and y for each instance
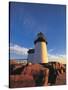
(40, 55)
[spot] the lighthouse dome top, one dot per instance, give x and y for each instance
(40, 38)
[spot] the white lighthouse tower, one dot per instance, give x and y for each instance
(40, 53)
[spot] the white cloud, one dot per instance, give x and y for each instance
(51, 50)
(56, 57)
(29, 21)
(18, 49)
(51, 56)
(59, 58)
(14, 48)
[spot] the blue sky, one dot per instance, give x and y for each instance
(26, 20)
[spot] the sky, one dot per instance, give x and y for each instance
(27, 19)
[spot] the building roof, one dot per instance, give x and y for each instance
(40, 37)
(31, 51)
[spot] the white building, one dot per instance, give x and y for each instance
(39, 54)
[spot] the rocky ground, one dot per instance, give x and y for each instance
(31, 76)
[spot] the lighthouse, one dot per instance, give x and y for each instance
(40, 53)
